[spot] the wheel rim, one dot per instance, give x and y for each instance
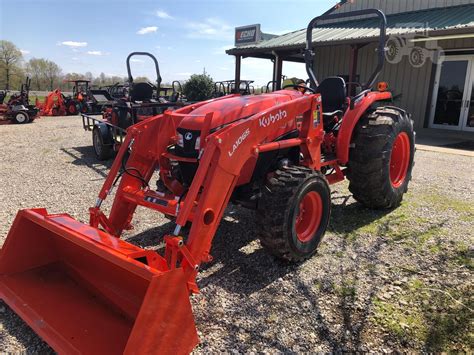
(21, 117)
(309, 216)
(399, 159)
(97, 143)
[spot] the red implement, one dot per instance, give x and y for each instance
(84, 291)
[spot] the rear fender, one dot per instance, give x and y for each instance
(352, 116)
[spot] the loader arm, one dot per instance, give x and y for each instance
(224, 155)
(146, 141)
(228, 151)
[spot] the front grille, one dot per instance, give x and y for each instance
(188, 149)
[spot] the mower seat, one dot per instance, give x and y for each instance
(174, 97)
(333, 95)
(141, 92)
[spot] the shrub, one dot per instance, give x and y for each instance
(199, 87)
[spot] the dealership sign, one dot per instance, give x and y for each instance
(247, 35)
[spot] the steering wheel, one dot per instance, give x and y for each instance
(306, 88)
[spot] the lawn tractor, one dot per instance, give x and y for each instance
(170, 93)
(18, 108)
(227, 87)
(219, 89)
(142, 102)
(85, 290)
(116, 91)
(271, 85)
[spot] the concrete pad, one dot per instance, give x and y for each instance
(432, 148)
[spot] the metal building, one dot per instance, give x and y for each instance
(430, 57)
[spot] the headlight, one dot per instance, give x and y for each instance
(180, 140)
(197, 146)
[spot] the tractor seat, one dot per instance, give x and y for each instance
(333, 95)
(174, 97)
(141, 92)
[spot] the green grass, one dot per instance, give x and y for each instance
(464, 256)
(428, 318)
(404, 326)
(345, 289)
(404, 224)
(32, 99)
(445, 203)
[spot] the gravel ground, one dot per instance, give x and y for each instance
(382, 281)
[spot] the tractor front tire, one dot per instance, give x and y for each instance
(381, 159)
(101, 150)
(293, 213)
(85, 108)
(72, 108)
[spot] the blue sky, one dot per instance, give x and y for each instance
(185, 36)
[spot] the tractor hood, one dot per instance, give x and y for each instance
(235, 108)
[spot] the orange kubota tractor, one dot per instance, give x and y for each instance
(85, 290)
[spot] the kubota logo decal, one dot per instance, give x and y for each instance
(266, 121)
(239, 141)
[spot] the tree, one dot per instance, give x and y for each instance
(70, 76)
(88, 76)
(199, 87)
(10, 59)
(36, 68)
(102, 78)
(52, 73)
(141, 79)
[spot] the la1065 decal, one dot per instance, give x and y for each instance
(239, 141)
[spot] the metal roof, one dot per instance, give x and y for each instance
(415, 22)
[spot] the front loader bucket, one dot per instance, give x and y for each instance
(85, 291)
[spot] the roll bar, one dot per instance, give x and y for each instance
(309, 53)
(130, 77)
(180, 89)
(273, 84)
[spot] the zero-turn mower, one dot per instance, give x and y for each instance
(85, 290)
(142, 101)
(18, 108)
(116, 91)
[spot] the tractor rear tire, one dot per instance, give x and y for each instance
(21, 117)
(101, 150)
(381, 159)
(293, 213)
